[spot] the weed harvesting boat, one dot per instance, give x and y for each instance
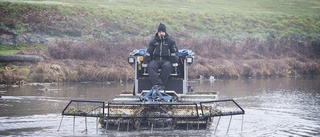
(176, 108)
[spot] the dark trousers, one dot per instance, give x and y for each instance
(166, 69)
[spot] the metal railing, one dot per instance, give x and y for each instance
(83, 108)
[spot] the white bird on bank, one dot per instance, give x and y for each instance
(212, 79)
(201, 79)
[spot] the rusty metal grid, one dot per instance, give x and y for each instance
(220, 108)
(84, 108)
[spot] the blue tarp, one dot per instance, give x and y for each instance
(182, 53)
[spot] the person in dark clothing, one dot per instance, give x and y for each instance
(161, 53)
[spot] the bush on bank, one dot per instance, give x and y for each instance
(100, 60)
(92, 44)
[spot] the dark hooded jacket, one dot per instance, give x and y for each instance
(161, 49)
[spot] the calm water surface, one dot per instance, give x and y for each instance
(274, 107)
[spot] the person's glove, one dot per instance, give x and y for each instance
(146, 58)
(174, 58)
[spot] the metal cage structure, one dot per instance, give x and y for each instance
(186, 110)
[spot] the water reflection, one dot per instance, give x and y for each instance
(274, 107)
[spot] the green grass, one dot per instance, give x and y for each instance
(11, 49)
(8, 52)
(107, 19)
(14, 49)
(289, 7)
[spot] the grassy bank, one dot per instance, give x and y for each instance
(101, 60)
(236, 20)
(231, 39)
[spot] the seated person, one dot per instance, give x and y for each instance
(160, 54)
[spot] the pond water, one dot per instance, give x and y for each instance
(273, 107)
